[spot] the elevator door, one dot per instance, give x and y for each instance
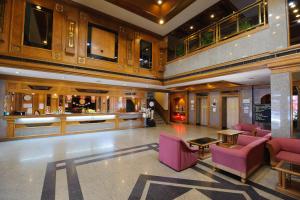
(232, 111)
(203, 107)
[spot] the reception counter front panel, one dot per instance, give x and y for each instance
(50, 125)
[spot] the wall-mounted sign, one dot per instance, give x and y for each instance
(263, 113)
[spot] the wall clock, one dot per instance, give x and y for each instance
(27, 97)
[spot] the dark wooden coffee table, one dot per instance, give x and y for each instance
(203, 145)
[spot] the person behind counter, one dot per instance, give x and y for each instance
(37, 113)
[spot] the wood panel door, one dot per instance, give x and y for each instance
(232, 111)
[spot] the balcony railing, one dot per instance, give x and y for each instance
(239, 22)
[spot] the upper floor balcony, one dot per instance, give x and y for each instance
(246, 19)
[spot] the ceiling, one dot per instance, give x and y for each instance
(142, 14)
(152, 10)
(257, 77)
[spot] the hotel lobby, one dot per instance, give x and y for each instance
(160, 99)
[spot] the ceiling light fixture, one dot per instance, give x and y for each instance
(212, 16)
(161, 21)
(295, 11)
(159, 2)
(298, 21)
(297, 16)
(292, 4)
(38, 7)
(191, 27)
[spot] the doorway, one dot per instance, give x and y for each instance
(230, 111)
(202, 112)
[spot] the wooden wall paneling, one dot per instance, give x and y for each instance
(5, 19)
(17, 25)
(58, 34)
(130, 47)
(82, 37)
(136, 58)
(122, 59)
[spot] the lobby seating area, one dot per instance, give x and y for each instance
(242, 158)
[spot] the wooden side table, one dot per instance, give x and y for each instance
(286, 184)
(229, 137)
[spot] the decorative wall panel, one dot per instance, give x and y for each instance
(70, 41)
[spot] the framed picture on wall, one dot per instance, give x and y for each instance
(102, 43)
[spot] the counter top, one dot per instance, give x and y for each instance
(10, 117)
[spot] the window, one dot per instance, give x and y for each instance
(38, 26)
(145, 54)
(294, 21)
(102, 43)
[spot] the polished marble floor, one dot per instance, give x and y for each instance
(118, 165)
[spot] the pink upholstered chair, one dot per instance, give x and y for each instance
(242, 159)
(263, 133)
(175, 153)
(249, 129)
(287, 149)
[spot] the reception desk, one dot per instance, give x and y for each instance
(63, 124)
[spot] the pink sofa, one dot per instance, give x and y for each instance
(175, 153)
(284, 149)
(248, 128)
(263, 133)
(242, 159)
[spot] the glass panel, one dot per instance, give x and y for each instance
(193, 42)
(294, 21)
(208, 37)
(249, 18)
(228, 27)
(180, 49)
(145, 54)
(38, 26)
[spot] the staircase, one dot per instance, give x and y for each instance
(158, 119)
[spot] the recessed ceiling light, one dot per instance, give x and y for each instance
(292, 4)
(191, 27)
(297, 16)
(38, 7)
(161, 21)
(298, 21)
(159, 2)
(295, 11)
(212, 16)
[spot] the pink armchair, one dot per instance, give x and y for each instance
(287, 149)
(175, 153)
(263, 133)
(242, 159)
(248, 128)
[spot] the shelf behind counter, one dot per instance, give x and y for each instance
(63, 124)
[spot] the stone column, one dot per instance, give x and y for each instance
(281, 100)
